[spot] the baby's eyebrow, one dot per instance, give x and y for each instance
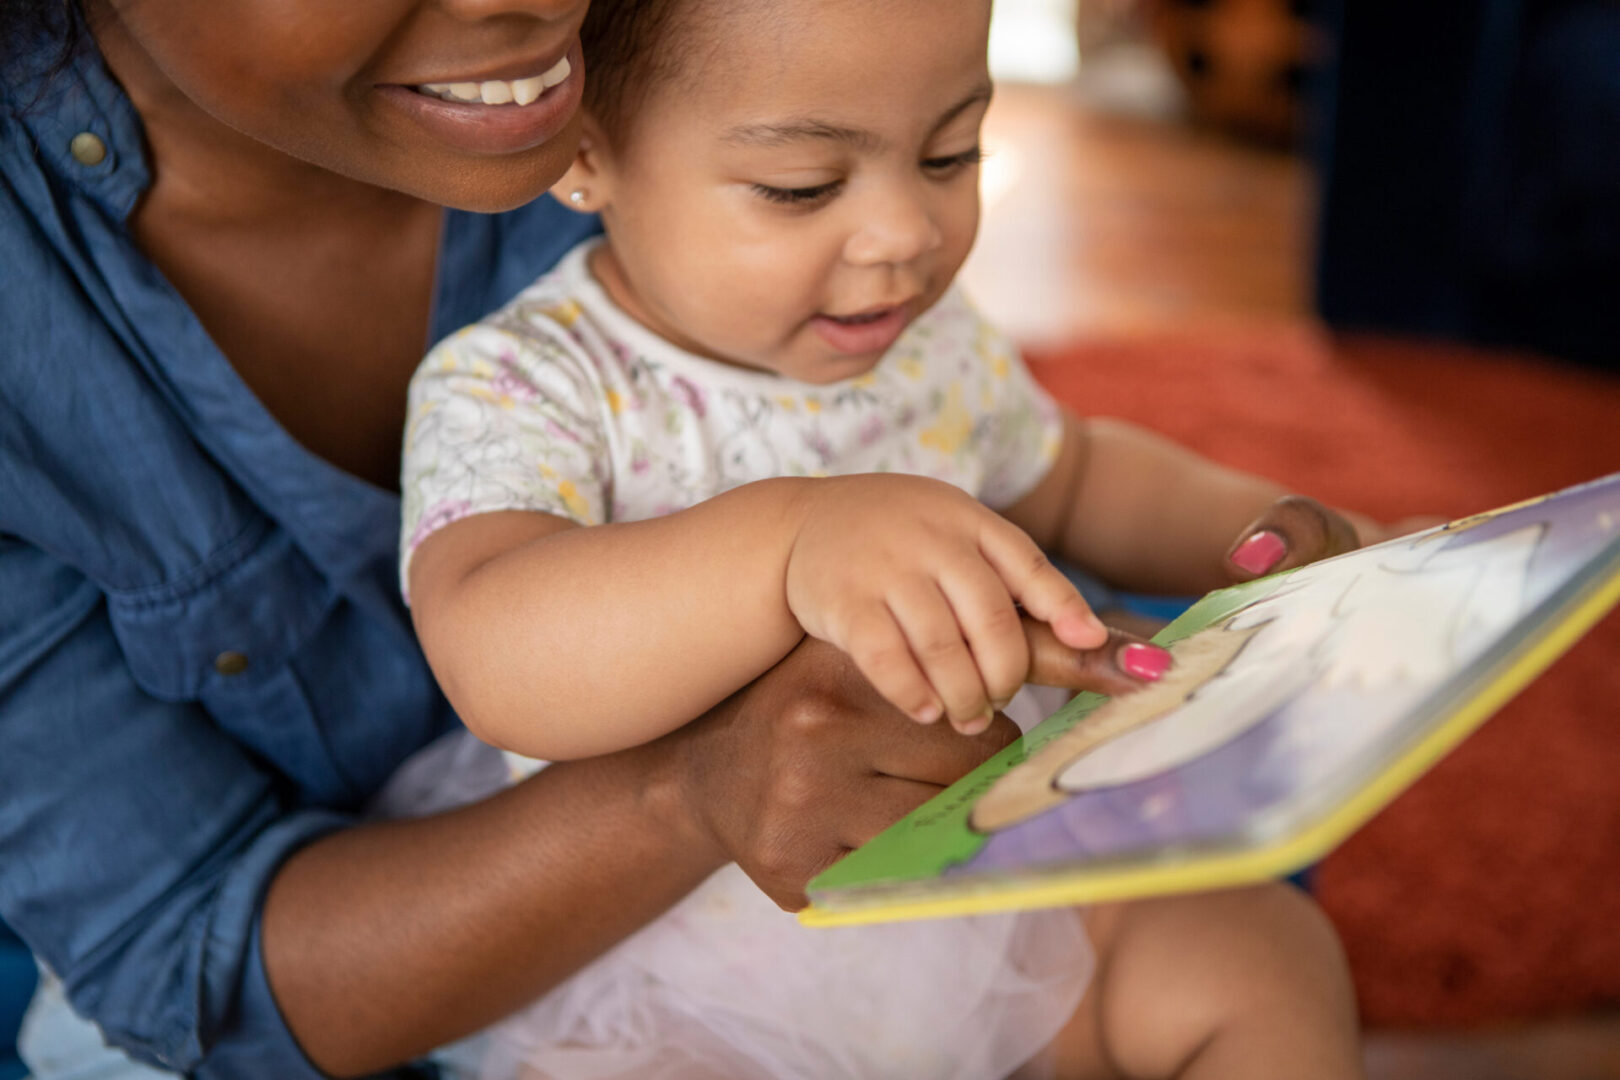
(796, 129)
(789, 131)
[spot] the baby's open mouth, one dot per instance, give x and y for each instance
(499, 91)
(861, 319)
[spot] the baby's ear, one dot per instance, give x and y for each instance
(587, 184)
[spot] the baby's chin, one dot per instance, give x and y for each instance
(833, 370)
(825, 369)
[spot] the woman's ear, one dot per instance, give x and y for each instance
(587, 185)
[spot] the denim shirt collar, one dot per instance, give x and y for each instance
(317, 501)
(53, 107)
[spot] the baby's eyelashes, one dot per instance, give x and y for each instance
(802, 197)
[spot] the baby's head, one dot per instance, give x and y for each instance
(786, 184)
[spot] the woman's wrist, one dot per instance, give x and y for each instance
(668, 799)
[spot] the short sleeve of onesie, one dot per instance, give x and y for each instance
(504, 415)
(1024, 425)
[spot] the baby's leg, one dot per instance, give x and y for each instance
(1242, 983)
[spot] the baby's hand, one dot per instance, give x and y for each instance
(1293, 531)
(921, 585)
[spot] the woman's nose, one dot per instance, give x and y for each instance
(895, 227)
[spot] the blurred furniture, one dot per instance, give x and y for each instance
(1244, 64)
(1470, 156)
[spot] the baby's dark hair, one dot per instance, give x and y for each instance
(632, 47)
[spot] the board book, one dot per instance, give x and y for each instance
(1298, 706)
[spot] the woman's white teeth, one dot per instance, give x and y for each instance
(500, 91)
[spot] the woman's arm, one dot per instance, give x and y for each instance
(386, 940)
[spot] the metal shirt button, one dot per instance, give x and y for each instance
(230, 662)
(88, 149)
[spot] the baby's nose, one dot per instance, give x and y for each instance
(897, 229)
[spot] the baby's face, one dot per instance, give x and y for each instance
(811, 187)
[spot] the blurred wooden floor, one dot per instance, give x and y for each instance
(1101, 225)
(1105, 224)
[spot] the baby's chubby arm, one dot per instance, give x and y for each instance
(560, 642)
(1150, 515)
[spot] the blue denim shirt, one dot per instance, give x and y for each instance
(158, 528)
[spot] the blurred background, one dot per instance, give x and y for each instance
(1373, 250)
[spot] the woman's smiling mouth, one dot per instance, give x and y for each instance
(500, 91)
(494, 116)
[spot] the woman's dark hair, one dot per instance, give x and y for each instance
(29, 24)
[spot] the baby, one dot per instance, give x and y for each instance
(758, 409)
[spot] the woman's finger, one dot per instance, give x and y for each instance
(1293, 531)
(884, 801)
(1124, 664)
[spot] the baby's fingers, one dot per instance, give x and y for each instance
(931, 628)
(880, 650)
(992, 627)
(1043, 590)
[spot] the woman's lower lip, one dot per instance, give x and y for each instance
(493, 129)
(866, 337)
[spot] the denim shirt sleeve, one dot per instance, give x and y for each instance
(175, 828)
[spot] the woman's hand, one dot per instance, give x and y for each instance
(810, 761)
(921, 585)
(1296, 530)
(1293, 531)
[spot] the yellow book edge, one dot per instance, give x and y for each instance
(1200, 873)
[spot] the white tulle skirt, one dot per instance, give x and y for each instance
(727, 985)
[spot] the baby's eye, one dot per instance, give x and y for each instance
(802, 197)
(949, 166)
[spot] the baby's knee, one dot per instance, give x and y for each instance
(1174, 971)
(1238, 942)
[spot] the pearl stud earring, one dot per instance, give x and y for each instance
(577, 196)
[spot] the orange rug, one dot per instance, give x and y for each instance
(1491, 889)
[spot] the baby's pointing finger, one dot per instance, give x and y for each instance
(1041, 588)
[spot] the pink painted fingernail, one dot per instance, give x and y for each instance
(1260, 552)
(1145, 662)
